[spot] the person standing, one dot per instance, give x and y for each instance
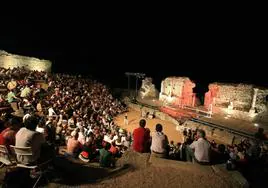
(125, 120)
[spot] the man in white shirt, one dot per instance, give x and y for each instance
(159, 143)
(199, 150)
(28, 137)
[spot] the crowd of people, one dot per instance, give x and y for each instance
(57, 110)
(53, 110)
(196, 147)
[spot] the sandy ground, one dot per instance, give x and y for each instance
(133, 122)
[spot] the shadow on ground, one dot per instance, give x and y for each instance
(65, 172)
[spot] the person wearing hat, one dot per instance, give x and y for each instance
(88, 151)
(84, 156)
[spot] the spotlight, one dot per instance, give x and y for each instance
(256, 124)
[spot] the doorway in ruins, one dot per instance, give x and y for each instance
(200, 89)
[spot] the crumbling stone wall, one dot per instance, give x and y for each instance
(262, 100)
(8, 60)
(148, 89)
(240, 95)
(177, 91)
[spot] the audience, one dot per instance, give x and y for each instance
(28, 137)
(199, 150)
(78, 112)
(159, 146)
(141, 137)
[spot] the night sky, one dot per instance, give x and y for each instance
(205, 52)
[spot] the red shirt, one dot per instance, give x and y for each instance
(113, 150)
(7, 137)
(140, 139)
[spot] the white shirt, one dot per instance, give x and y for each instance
(115, 138)
(51, 112)
(201, 150)
(25, 117)
(107, 139)
(159, 142)
(81, 138)
(40, 130)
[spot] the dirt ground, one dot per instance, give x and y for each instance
(133, 122)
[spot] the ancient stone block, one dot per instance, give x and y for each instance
(148, 89)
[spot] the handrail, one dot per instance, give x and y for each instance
(213, 125)
(234, 131)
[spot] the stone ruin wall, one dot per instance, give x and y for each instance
(262, 100)
(8, 60)
(177, 91)
(262, 105)
(221, 95)
(240, 94)
(148, 89)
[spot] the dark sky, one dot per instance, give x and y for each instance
(202, 50)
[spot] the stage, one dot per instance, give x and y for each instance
(228, 123)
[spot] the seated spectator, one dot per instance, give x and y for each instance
(118, 142)
(219, 155)
(13, 100)
(50, 128)
(172, 145)
(140, 137)
(113, 149)
(81, 136)
(89, 152)
(8, 135)
(105, 156)
(73, 146)
(159, 147)
(199, 150)
(28, 137)
(41, 128)
(126, 142)
(172, 149)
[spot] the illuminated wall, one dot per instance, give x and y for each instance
(241, 95)
(8, 60)
(241, 101)
(178, 91)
